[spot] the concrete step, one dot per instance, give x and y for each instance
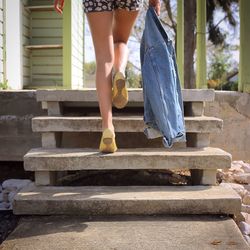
(121, 200)
(61, 159)
(173, 232)
(88, 96)
(199, 124)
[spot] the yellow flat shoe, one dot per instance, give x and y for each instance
(108, 144)
(119, 91)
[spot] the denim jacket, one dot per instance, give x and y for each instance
(163, 103)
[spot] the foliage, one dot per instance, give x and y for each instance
(219, 66)
(219, 72)
(4, 85)
(89, 68)
(229, 8)
(133, 78)
(230, 85)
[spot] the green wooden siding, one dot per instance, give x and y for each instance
(67, 44)
(46, 27)
(25, 41)
(39, 2)
(43, 27)
(42, 67)
(46, 67)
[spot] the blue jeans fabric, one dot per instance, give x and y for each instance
(163, 103)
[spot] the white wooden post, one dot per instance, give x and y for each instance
(14, 44)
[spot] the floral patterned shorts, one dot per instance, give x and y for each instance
(110, 5)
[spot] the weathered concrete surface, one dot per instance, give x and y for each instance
(60, 159)
(135, 95)
(17, 108)
(133, 124)
(130, 233)
(113, 200)
(234, 109)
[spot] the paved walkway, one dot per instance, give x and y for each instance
(144, 233)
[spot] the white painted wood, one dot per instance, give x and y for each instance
(1, 42)
(48, 46)
(77, 58)
(14, 54)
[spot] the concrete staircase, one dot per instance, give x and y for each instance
(53, 160)
(195, 216)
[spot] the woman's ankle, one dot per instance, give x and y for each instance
(111, 127)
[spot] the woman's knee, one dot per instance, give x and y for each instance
(120, 42)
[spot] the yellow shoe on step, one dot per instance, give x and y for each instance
(108, 144)
(119, 91)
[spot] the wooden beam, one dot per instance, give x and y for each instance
(201, 65)
(180, 40)
(14, 43)
(67, 44)
(244, 73)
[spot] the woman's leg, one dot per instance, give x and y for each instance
(122, 26)
(100, 24)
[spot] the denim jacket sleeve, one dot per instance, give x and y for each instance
(163, 103)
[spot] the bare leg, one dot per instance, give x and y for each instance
(123, 23)
(110, 50)
(101, 30)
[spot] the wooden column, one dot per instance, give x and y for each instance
(180, 40)
(201, 65)
(67, 44)
(73, 44)
(244, 73)
(14, 67)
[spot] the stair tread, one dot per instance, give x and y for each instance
(122, 124)
(135, 95)
(129, 117)
(59, 159)
(105, 199)
(130, 123)
(128, 192)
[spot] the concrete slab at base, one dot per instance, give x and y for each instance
(60, 159)
(126, 233)
(113, 200)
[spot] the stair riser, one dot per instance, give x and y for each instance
(149, 207)
(92, 140)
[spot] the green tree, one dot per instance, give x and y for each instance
(215, 34)
(220, 73)
(133, 77)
